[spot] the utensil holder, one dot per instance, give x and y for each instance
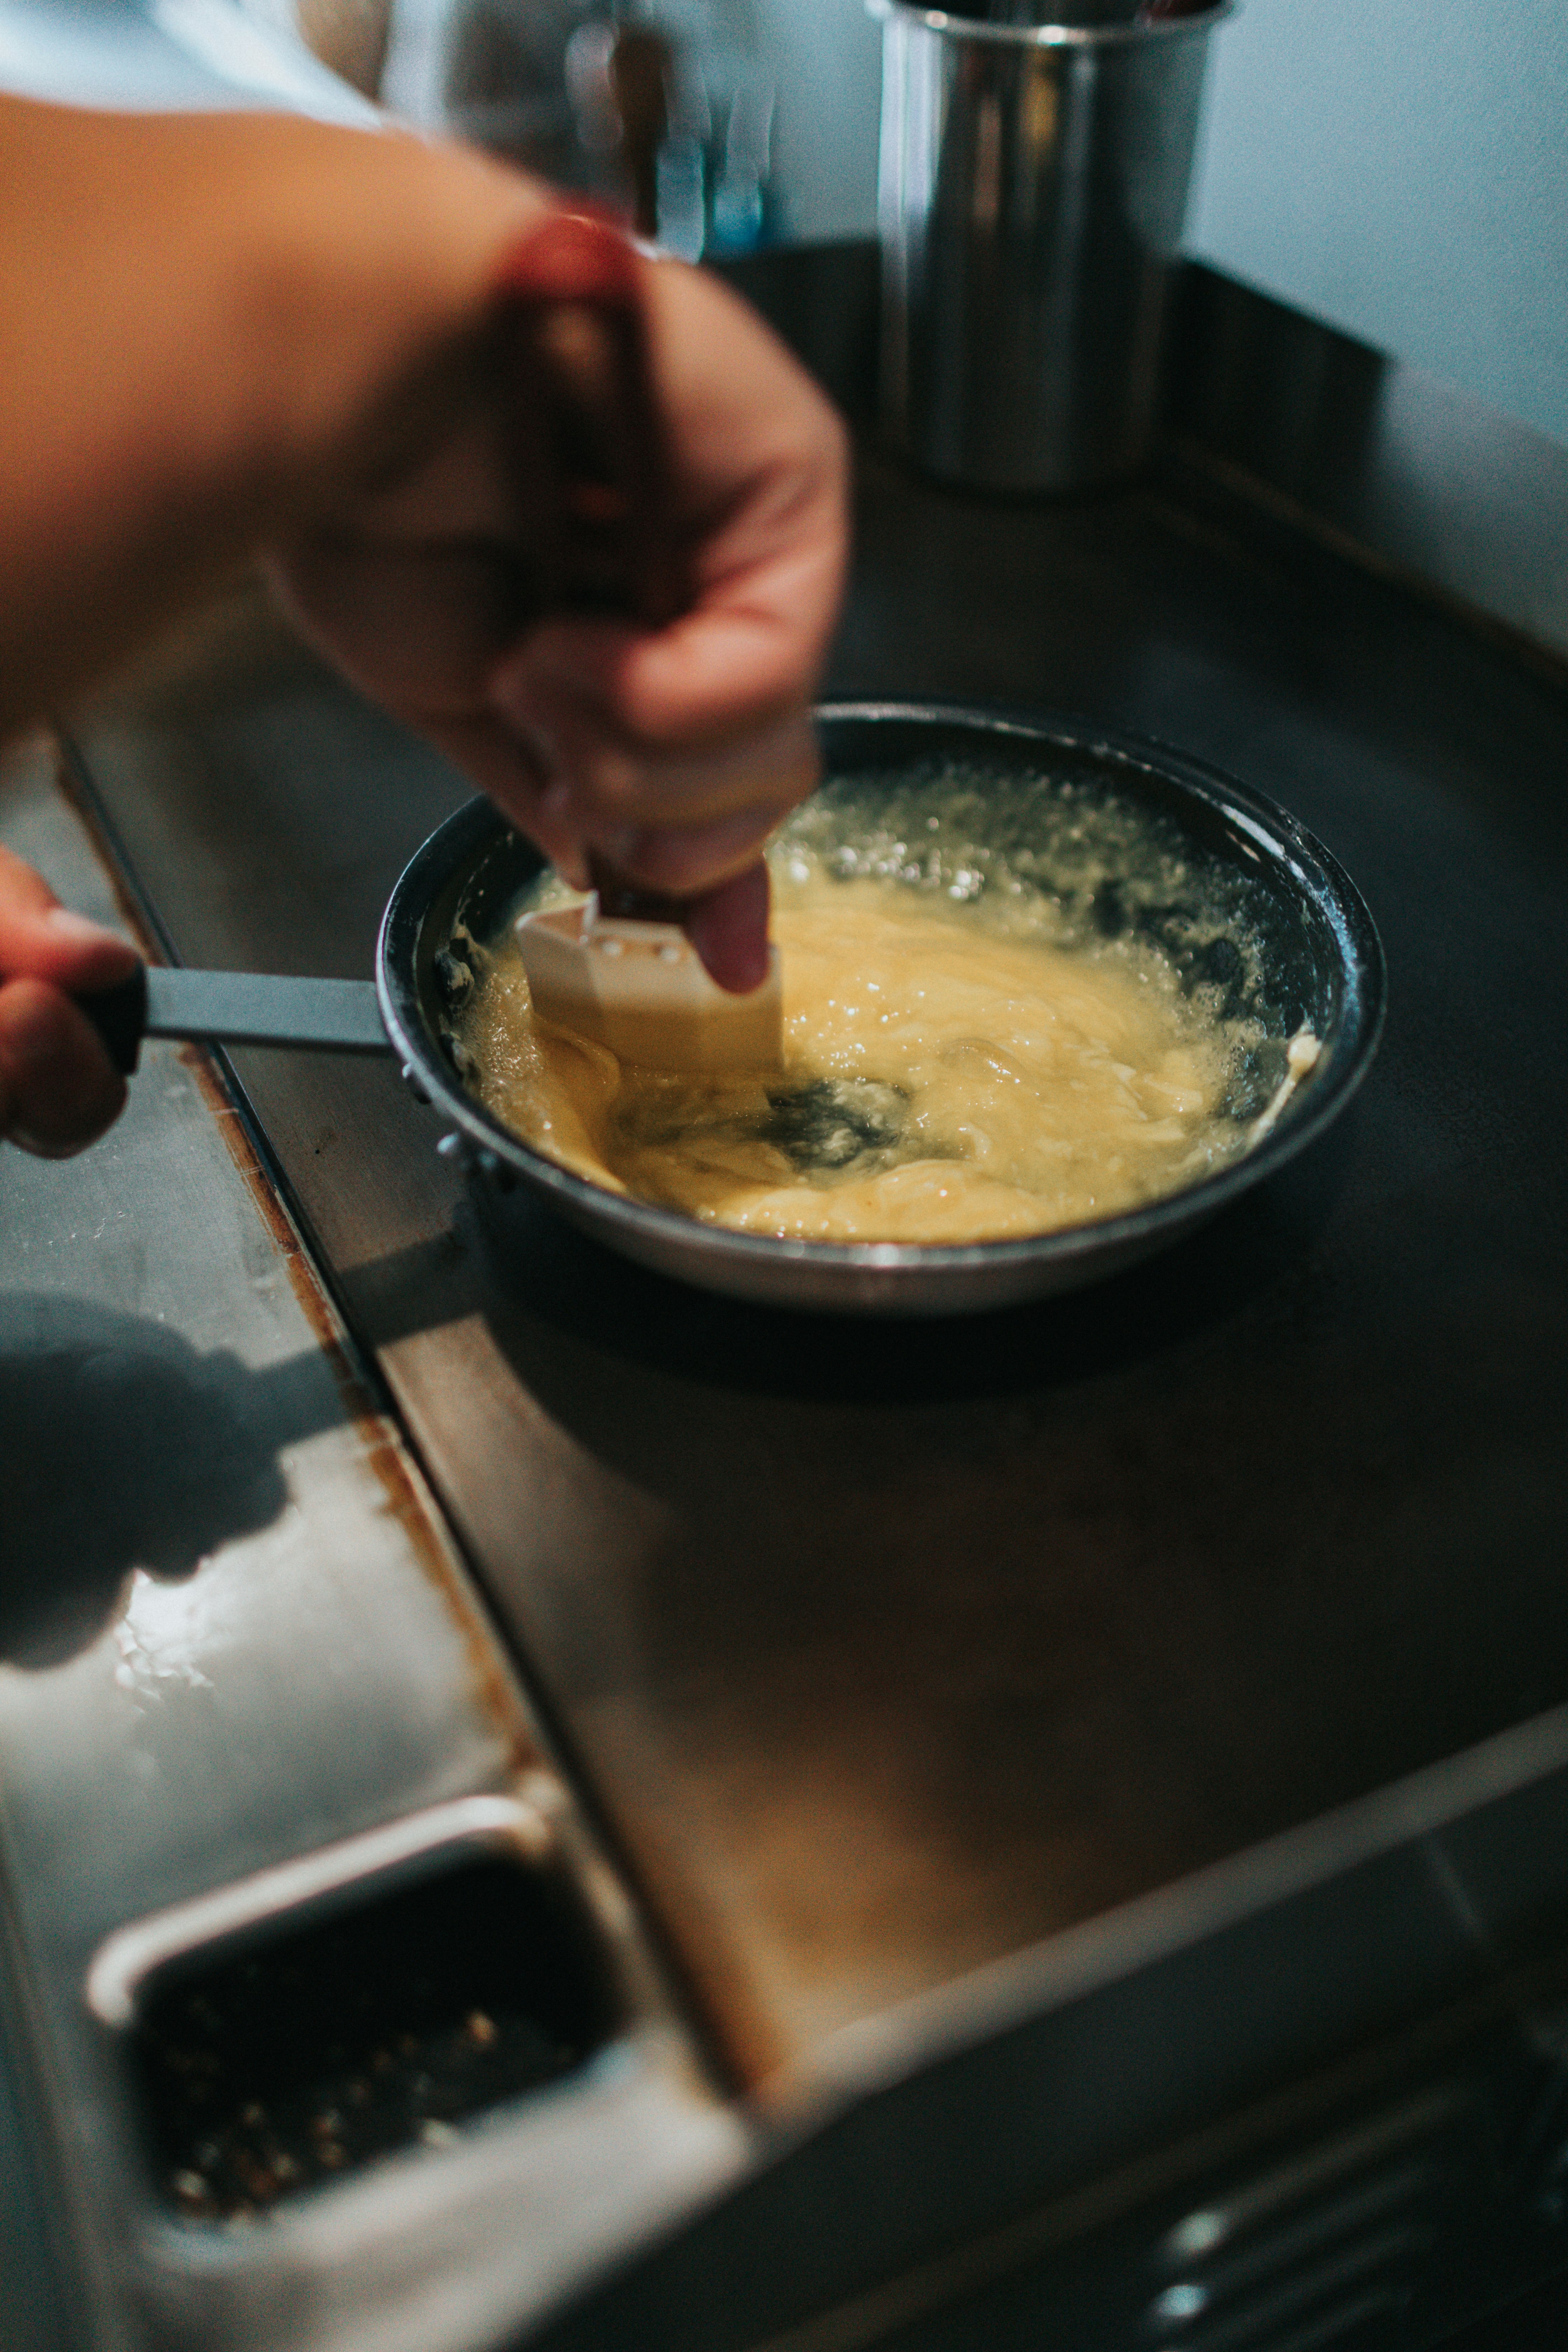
(1032, 189)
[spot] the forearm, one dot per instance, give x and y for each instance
(212, 329)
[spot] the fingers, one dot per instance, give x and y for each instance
(727, 925)
(549, 809)
(48, 941)
(58, 1091)
(728, 929)
(519, 782)
(682, 862)
(673, 752)
(715, 780)
(669, 752)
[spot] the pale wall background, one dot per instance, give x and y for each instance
(1399, 167)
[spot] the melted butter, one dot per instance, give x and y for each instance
(946, 1080)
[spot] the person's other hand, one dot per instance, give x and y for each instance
(668, 753)
(58, 1089)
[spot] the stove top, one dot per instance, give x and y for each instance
(1125, 1708)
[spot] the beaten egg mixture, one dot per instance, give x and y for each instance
(944, 1082)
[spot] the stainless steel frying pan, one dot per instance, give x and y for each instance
(1321, 956)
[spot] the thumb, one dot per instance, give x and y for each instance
(43, 941)
(728, 929)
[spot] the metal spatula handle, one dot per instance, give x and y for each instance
(235, 1008)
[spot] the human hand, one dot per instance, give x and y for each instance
(665, 752)
(237, 334)
(58, 1089)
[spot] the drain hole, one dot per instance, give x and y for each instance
(271, 2067)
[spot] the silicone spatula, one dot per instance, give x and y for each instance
(599, 517)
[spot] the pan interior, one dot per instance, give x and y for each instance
(1112, 862)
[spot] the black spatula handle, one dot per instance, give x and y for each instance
(120, 1016)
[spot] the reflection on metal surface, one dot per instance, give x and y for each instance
(1386, 462)
(1032, 187)
(160, 1633)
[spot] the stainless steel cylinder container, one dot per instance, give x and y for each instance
(1032, 189)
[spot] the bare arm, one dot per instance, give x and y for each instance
(226, 336)
(207, 323)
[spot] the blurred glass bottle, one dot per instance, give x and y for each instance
(660, 109)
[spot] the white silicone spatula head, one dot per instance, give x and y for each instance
(640, 989)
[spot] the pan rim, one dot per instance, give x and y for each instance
(1066, 1254)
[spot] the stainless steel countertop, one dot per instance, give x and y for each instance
(234, 1631)
(934, 1687)
(887, 1655)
